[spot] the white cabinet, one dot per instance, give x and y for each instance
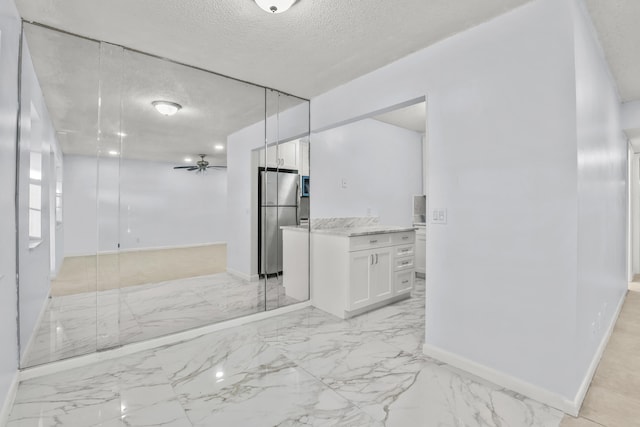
(303, 161)
(350, 275)
(282, 156)
(421, 250)
(370, 277)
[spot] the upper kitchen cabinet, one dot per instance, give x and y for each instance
(282, 156)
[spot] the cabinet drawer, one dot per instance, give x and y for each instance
(404, 263)
(405, 237)
(403, 281)
(405, 250)
(369, 241)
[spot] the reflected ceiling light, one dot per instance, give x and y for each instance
(166, 108)
(113, 152)
(275, 6)
(219, 147)
(188, 159)
(122, 134)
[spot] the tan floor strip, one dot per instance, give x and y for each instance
(613, 399)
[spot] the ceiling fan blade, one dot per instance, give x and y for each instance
(217, 167)
(193, 168)
(182, 167)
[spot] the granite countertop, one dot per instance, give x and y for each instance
(351, 231)
(295, 227)
(363, 231)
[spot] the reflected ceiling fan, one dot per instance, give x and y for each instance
(201, 165)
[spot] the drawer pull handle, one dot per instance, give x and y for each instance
(405, 237)
(373, 241)
(405, 281)
(405, 263)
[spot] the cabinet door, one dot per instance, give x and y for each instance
(272, 156)
(381, 277)
(359, 292)
(288, 154)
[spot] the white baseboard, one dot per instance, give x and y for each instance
(24, 352)
(243, 276)
(80, 361)
(501, 379)
(5, 410)
(586, 381)
(142, 249)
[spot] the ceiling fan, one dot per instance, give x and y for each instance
(201, 165)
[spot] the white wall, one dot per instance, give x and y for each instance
(381, 163)
(158, 206)
(634, 210)
(631, 115)
(241, 197)
(502, 273)
(9, 42)
(36, 133)
(602, 196)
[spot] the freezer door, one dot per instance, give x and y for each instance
(269, 243)
(288, 189)
(269, 188)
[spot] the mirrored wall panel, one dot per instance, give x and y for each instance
(284, 200)
(159, 186)
(58, 237)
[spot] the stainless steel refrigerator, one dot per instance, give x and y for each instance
(278, 206)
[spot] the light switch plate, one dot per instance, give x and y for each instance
(438, 216)
(344, 183)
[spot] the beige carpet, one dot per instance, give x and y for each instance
(113, 271)
(613, 399)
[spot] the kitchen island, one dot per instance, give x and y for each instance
(358, 268)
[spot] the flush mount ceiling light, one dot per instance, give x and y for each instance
(219, 147)
(166, 108)
(275, 6)
(113, 152)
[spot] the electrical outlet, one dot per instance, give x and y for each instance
(343, 183)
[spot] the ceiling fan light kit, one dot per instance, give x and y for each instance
(166, 108)
(275, 6)
(201, 165)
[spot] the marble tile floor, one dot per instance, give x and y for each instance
(74, 325)
(613, 398)
(304, 368)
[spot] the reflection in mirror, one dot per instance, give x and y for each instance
(284, 208)
(150, 216)
(56, 293)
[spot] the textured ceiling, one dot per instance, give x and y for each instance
(74, 73)
(618, 29)
(315, 46)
